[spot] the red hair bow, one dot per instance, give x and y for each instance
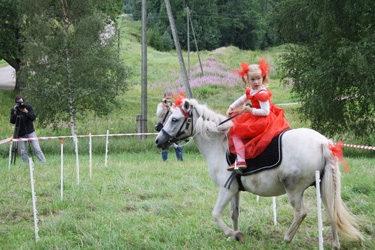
(243, 72)
(178, 99)
(337, 151)
(264, 67)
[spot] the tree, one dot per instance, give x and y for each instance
(242, 23)
(246, 27)
(332, 62)
(72, 64)
(10, 37)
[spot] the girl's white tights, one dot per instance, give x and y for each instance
(238, 144)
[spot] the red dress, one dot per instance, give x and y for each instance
(255, 131)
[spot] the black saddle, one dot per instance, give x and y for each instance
(271, 157)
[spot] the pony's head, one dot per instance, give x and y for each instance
(179, 125)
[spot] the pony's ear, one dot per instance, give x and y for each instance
(186, 105)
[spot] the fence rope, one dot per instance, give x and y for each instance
(68, 136)
(80, 136)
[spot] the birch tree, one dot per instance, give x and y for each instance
(71, 59)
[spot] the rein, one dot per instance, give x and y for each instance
(230, 118)
(182, 131)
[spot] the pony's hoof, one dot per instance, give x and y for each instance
(239, 237)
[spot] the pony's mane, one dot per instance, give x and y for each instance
(208, 121)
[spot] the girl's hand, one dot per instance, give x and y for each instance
(247, 109)
(229, 111)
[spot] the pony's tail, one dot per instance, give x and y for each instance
(337, 212)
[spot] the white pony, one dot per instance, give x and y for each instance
(304, 152)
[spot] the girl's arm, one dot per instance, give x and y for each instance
(239, 102)
(264, 109)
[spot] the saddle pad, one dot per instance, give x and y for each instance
(269, 158)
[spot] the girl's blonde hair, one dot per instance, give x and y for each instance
(262, 68)
(254, 69)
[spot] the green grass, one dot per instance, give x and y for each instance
(3, 63)
(139, 202)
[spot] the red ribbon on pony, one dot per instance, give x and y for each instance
(337, 151)
(178, 99)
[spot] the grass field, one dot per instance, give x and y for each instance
(139, 202)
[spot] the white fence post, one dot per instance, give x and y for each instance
(318, 199)
(106, 149)
(35, 212)
(75, 139)
(90, 155)
(62, 170)
(10, 151)
(274, 211)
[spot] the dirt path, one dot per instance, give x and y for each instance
(7, 78)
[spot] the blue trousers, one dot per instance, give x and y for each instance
(178, 150)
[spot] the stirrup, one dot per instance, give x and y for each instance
(237, 166)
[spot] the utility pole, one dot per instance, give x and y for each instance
(178, 49)
(188, 40)
(196, 44)
(144, 69)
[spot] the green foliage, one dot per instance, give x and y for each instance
(10, 31)
(6, 104)
(216, 23)
(246, 27)
(154, 39)
(72, 60)
(11, 38)
(205, 91)
(167, 41)
(332, 71)
(112, 8)
(128, 6)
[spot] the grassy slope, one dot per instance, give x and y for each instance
(160, 64)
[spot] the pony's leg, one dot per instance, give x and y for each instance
(296, 200)
(235, 211)
(223, 199)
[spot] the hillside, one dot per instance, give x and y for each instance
(218, 88)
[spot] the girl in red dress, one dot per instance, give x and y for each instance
(253, 130)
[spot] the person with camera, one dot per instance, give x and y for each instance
(22, 115)
(164, 110)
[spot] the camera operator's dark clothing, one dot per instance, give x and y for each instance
(26, 125)
(25, 129)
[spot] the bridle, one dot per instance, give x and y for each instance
(186, 130)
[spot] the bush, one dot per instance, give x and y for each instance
(154, 39)
(167, 41)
